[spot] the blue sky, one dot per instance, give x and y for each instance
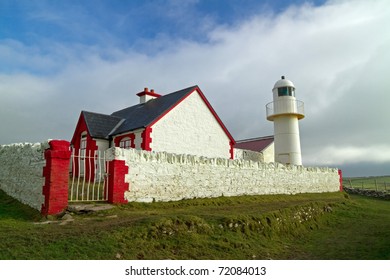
(146, 27)
(126, 22)
(60, 57)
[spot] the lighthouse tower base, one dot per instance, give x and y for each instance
(287, 141)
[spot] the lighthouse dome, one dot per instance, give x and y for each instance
(283, 82)
(283, 88)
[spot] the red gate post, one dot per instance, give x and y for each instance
(117, 170)
(341, 180)
(56, 173)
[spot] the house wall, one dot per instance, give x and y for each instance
(102, 144)
(21, 175)
(269, 153)
(163, 177)
(266, 155)
(135, 135)
(190, 128)
(138, 139)
(248, 155)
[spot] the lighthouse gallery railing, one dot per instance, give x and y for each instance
(285, 107)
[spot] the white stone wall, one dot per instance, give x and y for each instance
(165, 177)
(190, 128)
(21, 167)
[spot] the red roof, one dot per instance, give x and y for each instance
(254, 144)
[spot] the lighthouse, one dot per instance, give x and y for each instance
(285, 111)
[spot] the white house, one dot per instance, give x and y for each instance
(182, 122)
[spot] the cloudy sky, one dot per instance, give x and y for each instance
(60, 57)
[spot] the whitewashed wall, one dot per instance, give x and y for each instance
(165, 177)
(269, 153)
(190, 129)
(21, 167)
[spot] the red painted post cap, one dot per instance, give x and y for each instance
(59, 145)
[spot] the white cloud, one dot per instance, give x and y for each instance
(336, 155)
(336, 55)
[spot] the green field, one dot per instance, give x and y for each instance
(307, 226)
(381, 183)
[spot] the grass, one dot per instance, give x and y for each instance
(371, 183)
(306, 226)
(359, 230)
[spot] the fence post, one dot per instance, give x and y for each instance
(117, 170)
(56, 174)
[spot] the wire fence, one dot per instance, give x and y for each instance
(367, 183)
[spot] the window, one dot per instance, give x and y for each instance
(286, 91)
(83, 145)
(125, 143)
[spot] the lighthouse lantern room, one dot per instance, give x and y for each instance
(285, 111)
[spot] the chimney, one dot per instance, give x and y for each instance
(146, 95)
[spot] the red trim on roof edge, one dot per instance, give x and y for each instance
(80, 122)
(231, 150)
(215, 115)
(207, 104)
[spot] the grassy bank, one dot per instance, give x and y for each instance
(307, 226)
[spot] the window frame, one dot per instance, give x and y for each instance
(286, 91)
(125, 143)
